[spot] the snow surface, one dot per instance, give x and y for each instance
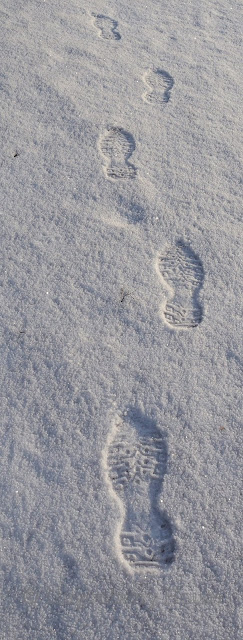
(85, 337)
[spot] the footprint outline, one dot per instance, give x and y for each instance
(182, 273)
(144, 537)
(117, 146)
(107, 27)
(161, 83)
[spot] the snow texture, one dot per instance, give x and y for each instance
(121, 320)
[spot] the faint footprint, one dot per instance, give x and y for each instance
(107, 27)
(182, 271)
(117, 145)
(136, 459)
(160, 84)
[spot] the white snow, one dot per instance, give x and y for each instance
(84, 335)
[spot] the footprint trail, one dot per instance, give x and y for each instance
(160, 84)
(106, 27)
(136, 460)
(182, 272)
(117, 145)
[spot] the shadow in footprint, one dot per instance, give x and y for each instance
(107, 27)
(183, 273)
(117, 146)
(136, 460)
(160, 83)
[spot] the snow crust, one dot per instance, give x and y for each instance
(83, 307)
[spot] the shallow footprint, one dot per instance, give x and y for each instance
(136, 459)
(107, 27)
(182, 271)
(160, 84)
(117, 145)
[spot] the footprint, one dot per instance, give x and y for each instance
(182, 271)
(160, 84)
(117, 145)
(136, 464)
(107, 27)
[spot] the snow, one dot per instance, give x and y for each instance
(86, 335)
